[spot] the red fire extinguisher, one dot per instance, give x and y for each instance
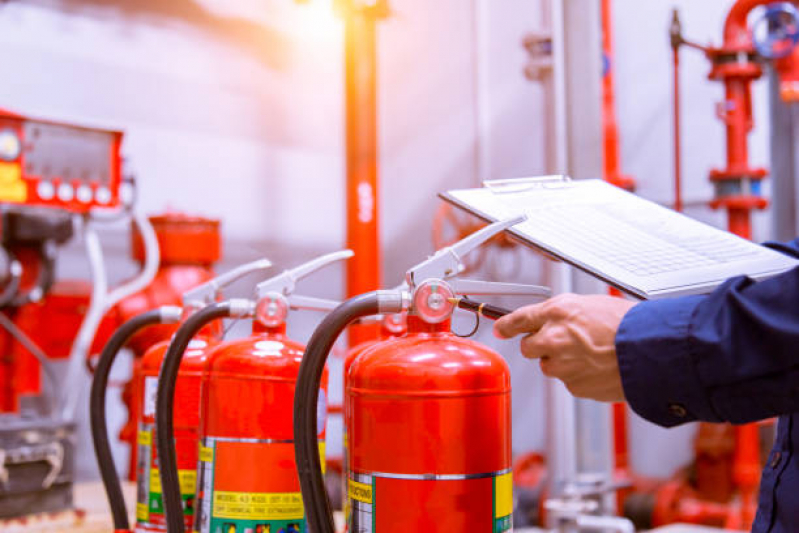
(247, 478)
(391, 326)
(149, 502)
(200, 296)
(427, 414)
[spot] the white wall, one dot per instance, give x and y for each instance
(234, 109)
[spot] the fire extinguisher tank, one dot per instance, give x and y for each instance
(149, 501)
(428, 420)
(248, 474)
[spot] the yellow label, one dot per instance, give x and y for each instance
(503, 495)
(12, 188)
(359, 491)
(187, 479)
(145, 438)
(258, 506)
(322, 456)
(142, 512)
(206, 454)
(155, 481)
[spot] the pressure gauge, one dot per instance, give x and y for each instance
(10, 145)
(272, 310)
(431, 301)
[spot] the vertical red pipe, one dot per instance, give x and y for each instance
(677, 133)
(612, 174)
(612, 165)
(360, 72)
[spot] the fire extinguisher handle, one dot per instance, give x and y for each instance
(446, 262)
(473, 287)
(297, 301)
(206, 293)
(285, 282)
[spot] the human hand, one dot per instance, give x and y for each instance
(573, 337)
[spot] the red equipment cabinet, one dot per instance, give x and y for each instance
(429, 426)
(149, 503)
(247, 472)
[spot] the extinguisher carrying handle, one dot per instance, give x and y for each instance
(297, 301)
(473, 287)
(285, 282)
(99, 428)
(447, 262)
(206, 293)
(165, 401)
(306, 395)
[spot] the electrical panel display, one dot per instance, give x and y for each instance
(58, 165)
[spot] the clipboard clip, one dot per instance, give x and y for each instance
(516, 185)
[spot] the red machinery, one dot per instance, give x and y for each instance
(189, 246)
(723, 488)
(247, 478)
(427, 414)
(50, 164)
(149, 504)
(55, 180)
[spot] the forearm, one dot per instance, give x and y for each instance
(730, 356)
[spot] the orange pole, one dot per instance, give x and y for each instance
(612, 174)
(675, 47)
(363, 238)
(612, 166)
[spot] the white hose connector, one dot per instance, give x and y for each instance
(101, 302)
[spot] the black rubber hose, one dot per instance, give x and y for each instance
(99, 428)
(164, 406)
(306, 395)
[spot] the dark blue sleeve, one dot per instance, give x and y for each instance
(730, 356)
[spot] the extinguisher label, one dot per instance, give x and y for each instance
(249, 485)
(503, 502)
(361, 492)
(149, 497)
(364, 491)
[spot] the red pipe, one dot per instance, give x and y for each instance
(363, 237)
(736, 30)
(677, 134)
(612, 166)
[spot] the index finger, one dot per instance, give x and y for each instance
(528, 319)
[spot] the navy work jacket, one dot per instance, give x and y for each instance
(731, 356)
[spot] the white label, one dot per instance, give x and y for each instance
(150, 392)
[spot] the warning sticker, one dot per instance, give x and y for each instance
(206, 454)
(360, 491)
(503, 502)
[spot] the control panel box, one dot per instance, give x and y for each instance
(58, 165)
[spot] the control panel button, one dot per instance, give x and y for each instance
(84, 194)
(45, 190)
(103, 195)
(65, 192)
